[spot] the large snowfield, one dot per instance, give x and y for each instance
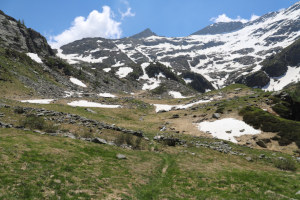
(227, 129)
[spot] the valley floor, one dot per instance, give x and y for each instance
(51, 151)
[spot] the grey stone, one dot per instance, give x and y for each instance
(261, 156)
(99, 141)
(249, 159)
(163, 128)
(261, 144)
(175, 116)
(238, 89)
(121, 156)
(91, 111)
(216, 115)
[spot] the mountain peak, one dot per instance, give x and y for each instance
(219, 28)
(145, 33)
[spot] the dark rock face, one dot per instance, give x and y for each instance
(16, 36)
(245, 60)
(256, 79)
(276, 66)
(146, 33)
(244, 51)
(289, 106)
(199, 83)
(275, 69)
(218, 28)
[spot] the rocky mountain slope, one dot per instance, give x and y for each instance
(221, 52)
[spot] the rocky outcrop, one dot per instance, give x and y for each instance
(256, 79)
(15, 35)
(198, 83)
(219, 28)
(146, 33)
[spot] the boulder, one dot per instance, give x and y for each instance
(99, 141)
(175, 116)
(121, 156)
(261, 144)
(216, 115)
(249, 159)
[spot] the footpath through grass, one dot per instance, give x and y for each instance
(43, 167)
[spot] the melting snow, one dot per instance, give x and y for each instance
(164, 107)
(71, 93)
(278, 83)
(38, 101)
(106, 69)
(34, 57)
(83, 103)
(77, 82)
(152, 83)
(124, 71)
(177, 95)
(118, 64)
(75, 58)
(188, 80)
(227, 129)
(107, 95)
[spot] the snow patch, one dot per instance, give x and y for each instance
(164, 107)
(278, 83)
(124, 71)
(118, 64)
(188, 80)
(77, 82)
(84, 103)
(72, 94)
(177, 95)
(107, 95)
(34, 57)
(75, 58)
(38, 101)
(227, 129)
(107, 69)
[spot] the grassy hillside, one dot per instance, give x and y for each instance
(38, 166)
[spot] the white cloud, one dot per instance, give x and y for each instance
(128, 13)
(225, 18)
(97, 24)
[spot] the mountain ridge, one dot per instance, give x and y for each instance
(221, 58)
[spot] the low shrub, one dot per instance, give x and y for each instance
(128, 139)
(285, 164)
(19, 110)
(288, 130)
(33, 122)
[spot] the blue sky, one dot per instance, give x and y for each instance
(164, 17)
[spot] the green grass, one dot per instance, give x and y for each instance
(38, 167)
(13, 65)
